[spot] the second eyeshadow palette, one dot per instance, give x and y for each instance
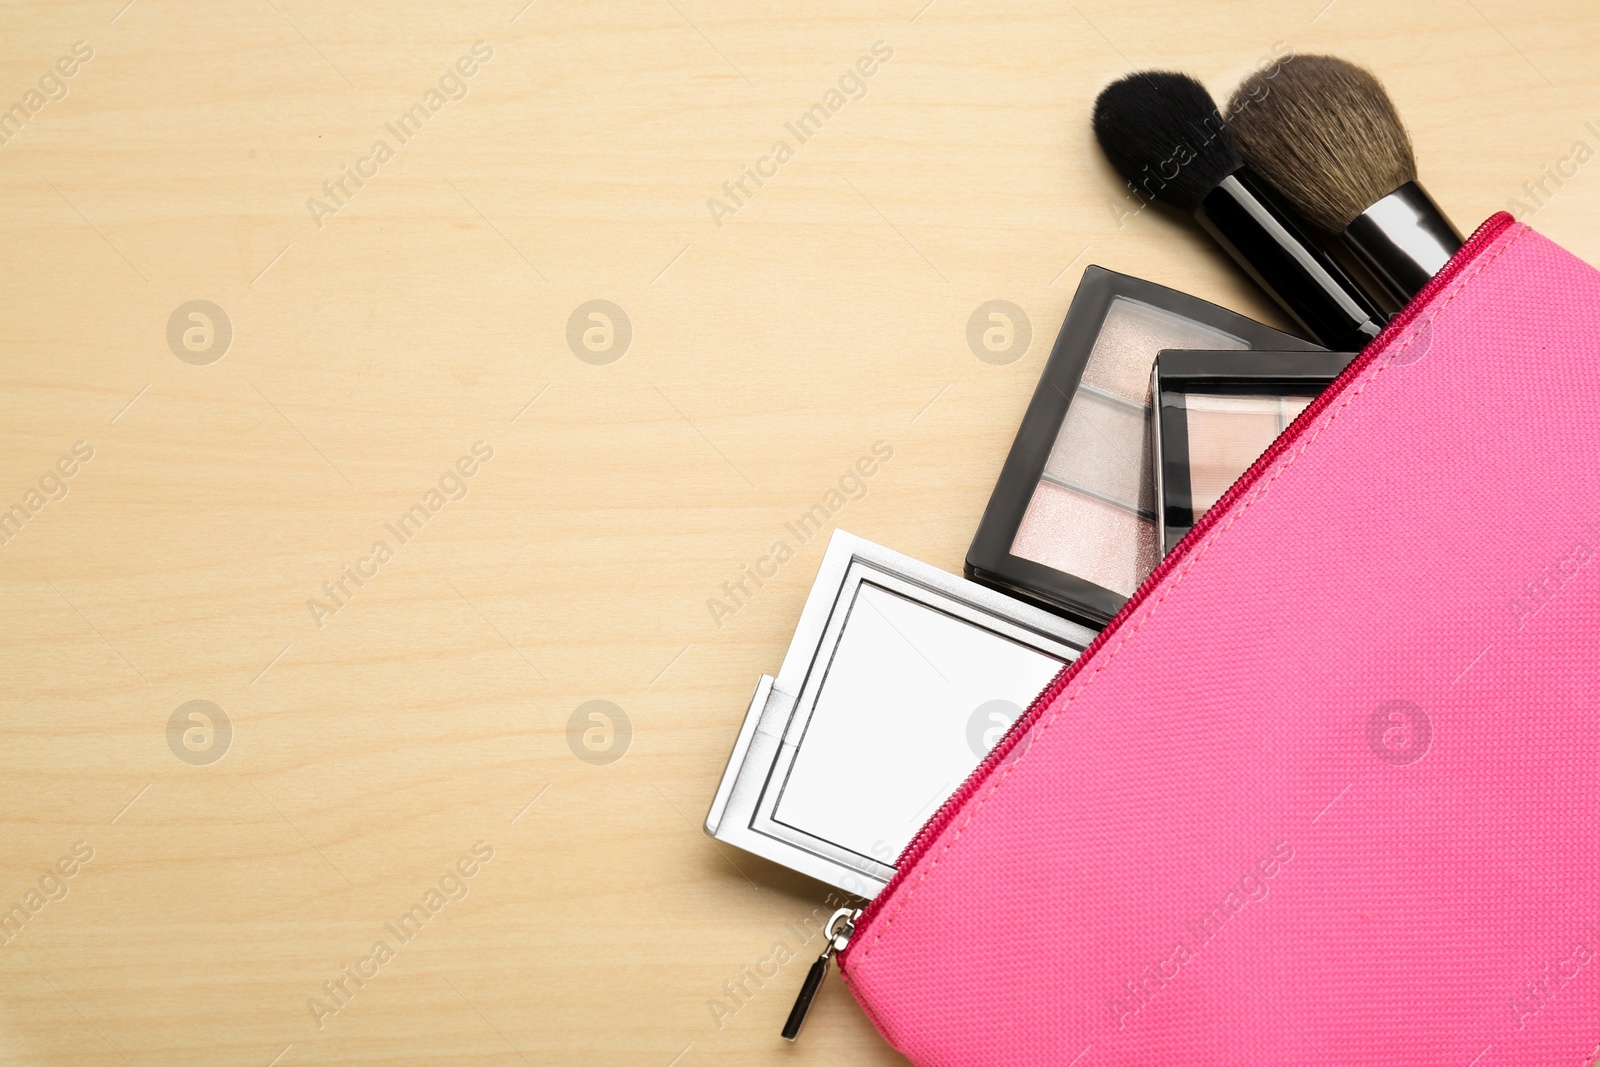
(1073, 522)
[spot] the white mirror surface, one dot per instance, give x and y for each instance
(912, 700)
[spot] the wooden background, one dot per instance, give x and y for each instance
(375, 745)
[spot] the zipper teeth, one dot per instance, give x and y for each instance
(1491, 228)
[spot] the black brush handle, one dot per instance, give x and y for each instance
(1299, 274)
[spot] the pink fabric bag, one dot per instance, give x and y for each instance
(1327, 791)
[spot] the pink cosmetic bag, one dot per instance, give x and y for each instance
(1327, 791)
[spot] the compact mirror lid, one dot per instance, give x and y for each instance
(899, 679)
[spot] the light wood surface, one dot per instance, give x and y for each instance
(375, 745)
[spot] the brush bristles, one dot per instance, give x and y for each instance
(1164, 134)
(1326, 135)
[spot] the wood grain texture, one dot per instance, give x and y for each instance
(375, 745)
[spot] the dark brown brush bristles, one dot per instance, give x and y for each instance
(1325, 134)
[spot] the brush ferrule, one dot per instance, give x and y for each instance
(1404, 240)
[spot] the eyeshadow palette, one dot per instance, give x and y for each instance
(1072, 524)
(898, 681)
(1216, 413)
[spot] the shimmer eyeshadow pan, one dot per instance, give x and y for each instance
(899, 680)
(1216, 412)
(1073, 522)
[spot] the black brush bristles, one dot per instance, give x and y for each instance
(1324, 132)
(1163, 133)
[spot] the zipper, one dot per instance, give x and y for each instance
(1482, 236)
(840, 926)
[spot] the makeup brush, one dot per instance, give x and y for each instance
(1164, 135)
(1325, 134)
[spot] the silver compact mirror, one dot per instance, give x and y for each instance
(898, 681)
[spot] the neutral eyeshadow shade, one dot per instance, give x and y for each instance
(1226, 435)
(1101, 450)
(1081, 536)
(1104, 532)
(1129, 340)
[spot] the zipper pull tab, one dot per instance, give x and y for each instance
(840, 926)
